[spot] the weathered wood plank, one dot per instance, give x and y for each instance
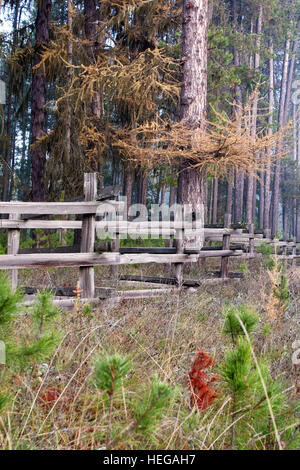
(149, 258)
(61, 260)
(144, 294)
(218, 253)
(93, 259)
(122, 227)
(42, 224)
(59, 249)
(159, 280)
(225, 260)
(60, 208)
(87, 276)
(13, 241)
(94, 302)
(152, 250)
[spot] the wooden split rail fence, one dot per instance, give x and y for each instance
(23, 215)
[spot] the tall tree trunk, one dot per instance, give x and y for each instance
(298, 161)
(193, 95)
(211, 201)
(251, 189)
(229, 195)
(143, 188)
(90, 29)
(239, 176)
(294, 203)
(280, 125)
(38, 154)
(215, 201)
(69, 79)
(128, 183)
(270, 132)
(286, 201)
(261, 198)
(10, 106)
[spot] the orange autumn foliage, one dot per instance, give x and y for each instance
(203, 392)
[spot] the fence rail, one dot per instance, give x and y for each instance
(235, 242)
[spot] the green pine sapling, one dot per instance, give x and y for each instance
(248, 317)
(110, 373)
(44, 311)
(21, 351)
(250, 410)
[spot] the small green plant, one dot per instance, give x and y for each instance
(149, 410)
(252, 389)
(237, 369)
(10, 301)
(4, 399)
(281, 291)
(43, 310)
(25, 349)
(267, 331)
(87, 310)
(244, 268)
(267, 251)
(248, 317)
(110, 372)
(109, 376)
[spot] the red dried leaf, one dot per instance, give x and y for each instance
(203, 393)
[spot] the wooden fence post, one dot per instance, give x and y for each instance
(285, 254)
(13, 241)
(115, 248)
(294, 252)
(267, 233)
(179, 250)
(226, 246)
(87, 274)
(251, 239)
(225, 260)
(227, 220)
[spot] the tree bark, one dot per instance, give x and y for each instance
(215, 201)
(251, 189)
(229, 195)
(280, 125)
(143, 187)
(90, 29)
(270, 132)
(38, 154)
(10, 106)
(69, 79)
(128, 183)
(239, 177)
(193, 96)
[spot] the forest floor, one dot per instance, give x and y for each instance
(56, 405)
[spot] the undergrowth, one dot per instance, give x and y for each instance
(124, 376)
